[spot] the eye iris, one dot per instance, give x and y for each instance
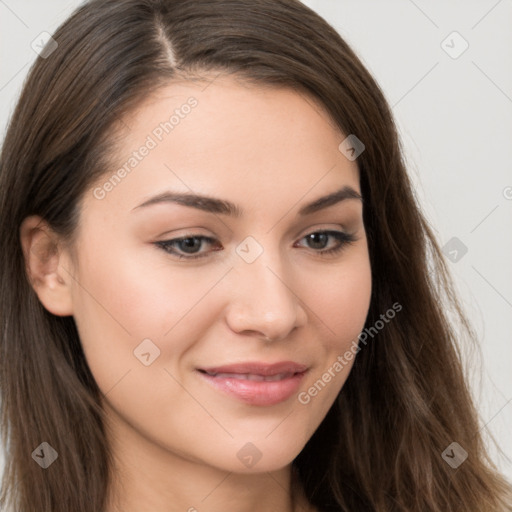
(190, 243)
(314, 238)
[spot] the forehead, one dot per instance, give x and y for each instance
(229, 139)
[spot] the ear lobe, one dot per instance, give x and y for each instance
(46, 264)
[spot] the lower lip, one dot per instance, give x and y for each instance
(257, 392)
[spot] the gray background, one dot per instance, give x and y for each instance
(454, 114)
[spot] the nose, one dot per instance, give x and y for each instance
(263, 300)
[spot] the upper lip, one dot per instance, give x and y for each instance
(258, 368)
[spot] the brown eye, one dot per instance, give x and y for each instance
(189, 245)
(319, 239)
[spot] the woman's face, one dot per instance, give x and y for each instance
(178, 345)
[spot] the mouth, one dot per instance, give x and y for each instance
(256, 383)
(250, 376)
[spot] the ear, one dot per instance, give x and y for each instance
(48, 265)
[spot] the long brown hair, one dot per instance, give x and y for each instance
(406, 399)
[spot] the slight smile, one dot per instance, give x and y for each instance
(257, 383)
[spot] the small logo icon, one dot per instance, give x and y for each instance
(249, 455)
(44, 45)
(146, 352)
(454, 45)
(454, 249)
(351, 147)
(44, 455)
(455, 455)
(249, 249)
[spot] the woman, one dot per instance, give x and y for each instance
(218, 291)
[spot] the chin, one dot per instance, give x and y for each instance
(257, 454)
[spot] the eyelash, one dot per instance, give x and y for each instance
(343, 238)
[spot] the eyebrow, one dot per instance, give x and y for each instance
(220, 206)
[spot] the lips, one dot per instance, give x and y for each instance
(256, 383)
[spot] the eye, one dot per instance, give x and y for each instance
(321, 238)
(189, 246)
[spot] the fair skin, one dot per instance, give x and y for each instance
(176, 437)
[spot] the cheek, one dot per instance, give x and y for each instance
(343, 301)
(350, 312)
(119, 301)
(139, 290)
(342, 305)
